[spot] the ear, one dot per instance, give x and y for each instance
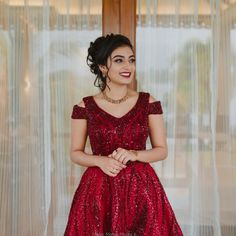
(103, 69)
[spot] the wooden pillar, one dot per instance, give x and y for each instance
(119, 17)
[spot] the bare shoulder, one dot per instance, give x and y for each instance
(81, 104)
(95, 96)
(151, 99)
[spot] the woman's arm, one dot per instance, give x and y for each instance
(158, 140)
(78, 141)
(79, 135)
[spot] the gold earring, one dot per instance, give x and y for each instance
(104, 74)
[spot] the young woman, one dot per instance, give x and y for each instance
(119, 193)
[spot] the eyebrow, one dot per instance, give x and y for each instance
(122, 56)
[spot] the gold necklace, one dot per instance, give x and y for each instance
(113, 100)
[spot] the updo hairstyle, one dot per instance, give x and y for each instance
(98, 53)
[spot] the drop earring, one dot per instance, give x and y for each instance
(104, 74)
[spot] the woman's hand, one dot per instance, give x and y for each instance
(123, 156)
(110, 166)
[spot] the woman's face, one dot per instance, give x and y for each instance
(121, 65)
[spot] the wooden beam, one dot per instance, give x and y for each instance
(119, 17)
(111, 17)
(128, 19)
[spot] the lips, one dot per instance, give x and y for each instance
(125, 74)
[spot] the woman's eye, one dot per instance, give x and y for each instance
(118, 60)
(121, 60)
(132, 60)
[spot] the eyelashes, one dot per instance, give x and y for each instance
(132, 60)
(121, 60)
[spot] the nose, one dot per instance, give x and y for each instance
(127, 64)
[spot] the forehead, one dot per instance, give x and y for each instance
(123, 51)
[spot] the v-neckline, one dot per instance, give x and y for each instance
(115, 117)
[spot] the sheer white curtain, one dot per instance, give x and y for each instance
(186, 57)
(43, 46)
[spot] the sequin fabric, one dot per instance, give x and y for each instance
(134, 202)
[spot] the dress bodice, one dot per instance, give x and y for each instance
(107, 132)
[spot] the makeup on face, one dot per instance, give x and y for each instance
(122, 63)
(121, 59)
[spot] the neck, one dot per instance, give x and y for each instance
(116, 92)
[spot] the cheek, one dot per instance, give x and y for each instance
(115, 69)
(113, 73)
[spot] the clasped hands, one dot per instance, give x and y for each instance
(117, 160)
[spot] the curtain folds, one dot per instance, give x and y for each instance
(186, 58)
(43, 46)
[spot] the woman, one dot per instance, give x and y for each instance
(119, 193)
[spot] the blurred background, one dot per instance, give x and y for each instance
(186, 58)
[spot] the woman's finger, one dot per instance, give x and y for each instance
(126, 160)
(119, 167)
(114, 171)
(122, 158)
(111, 174)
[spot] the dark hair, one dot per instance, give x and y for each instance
(100, 50)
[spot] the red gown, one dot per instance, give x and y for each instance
(134, 202)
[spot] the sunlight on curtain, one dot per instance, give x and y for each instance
(43, 47)
(186, 57)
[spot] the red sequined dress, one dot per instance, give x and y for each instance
(133, 203)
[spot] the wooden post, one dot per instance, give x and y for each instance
(119, 17)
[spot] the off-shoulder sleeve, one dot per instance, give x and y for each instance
(155, 108)
(78, 112)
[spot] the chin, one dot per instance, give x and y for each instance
(126, 82)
